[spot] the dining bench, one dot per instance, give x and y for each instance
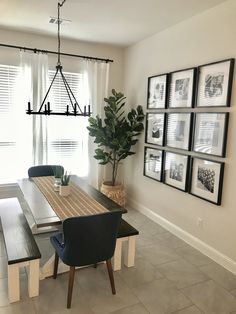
(128, 234)
(21, 248)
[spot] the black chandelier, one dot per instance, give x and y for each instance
(45, 105)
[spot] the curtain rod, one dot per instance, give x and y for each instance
(54, 52)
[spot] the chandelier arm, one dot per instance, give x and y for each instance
(76, 103)
(56, 113)
(48, 90)
(68, 86)
(67, 89)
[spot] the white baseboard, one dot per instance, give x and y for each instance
(204, 248)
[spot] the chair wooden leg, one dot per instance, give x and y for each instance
(110, 272)
(70, 286)
(55, 265)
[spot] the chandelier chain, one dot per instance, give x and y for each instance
(59, 5)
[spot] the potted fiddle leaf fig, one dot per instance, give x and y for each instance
(115, 136)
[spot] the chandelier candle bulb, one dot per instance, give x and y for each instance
(48, 107)
(29, 109)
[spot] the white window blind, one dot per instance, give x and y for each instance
(15, 128)
(67, 136)
(8, 78)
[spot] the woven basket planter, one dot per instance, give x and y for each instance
(114, 192)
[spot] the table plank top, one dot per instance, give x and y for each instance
(43, 213)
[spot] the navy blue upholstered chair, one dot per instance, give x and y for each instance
(44, 170)
(86, 240)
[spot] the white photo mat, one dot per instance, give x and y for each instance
(155, 128)
(210, 133)
(213, 84)
(157, 92)
(206, 177)
(178, 130)
(153, 163)
(176, 170)
(181, 89)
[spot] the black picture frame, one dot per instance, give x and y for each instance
(155, 126)
(157, 91)
(179, 130)
(182, 86)
(206, 179)
(214, 84)
(210, 133)
(153, 163)
(176, 170)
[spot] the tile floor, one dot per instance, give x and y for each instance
(169, 277)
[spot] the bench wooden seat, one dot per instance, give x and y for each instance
(127, 233)
(21, 248)
(126, 230)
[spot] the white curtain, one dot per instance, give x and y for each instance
(35, 77)
(95, 86)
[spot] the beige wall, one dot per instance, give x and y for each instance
(204, 38)
(11, 56)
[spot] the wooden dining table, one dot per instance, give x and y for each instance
(45, 212)
(49, 209)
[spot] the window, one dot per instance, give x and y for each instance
(67, 137)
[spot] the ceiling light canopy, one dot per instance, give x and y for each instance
(73, 109)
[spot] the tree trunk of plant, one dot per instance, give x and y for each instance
(114, 168)
(114, 172)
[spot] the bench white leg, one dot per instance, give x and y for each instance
(117, 255)
(13, 283)
(33, 278)
(130, 252)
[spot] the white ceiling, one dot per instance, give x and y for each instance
(119, 22)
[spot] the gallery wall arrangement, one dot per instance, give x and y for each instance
(186, 131)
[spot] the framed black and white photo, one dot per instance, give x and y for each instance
(157, 89)
(176, 170)
(210, 133)
(178, 131)
(153, 160)
(155, 128)
(215, 84)
(207, 179)
(182, 88)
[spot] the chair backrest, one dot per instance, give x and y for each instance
(90, 239)
(44, 170)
